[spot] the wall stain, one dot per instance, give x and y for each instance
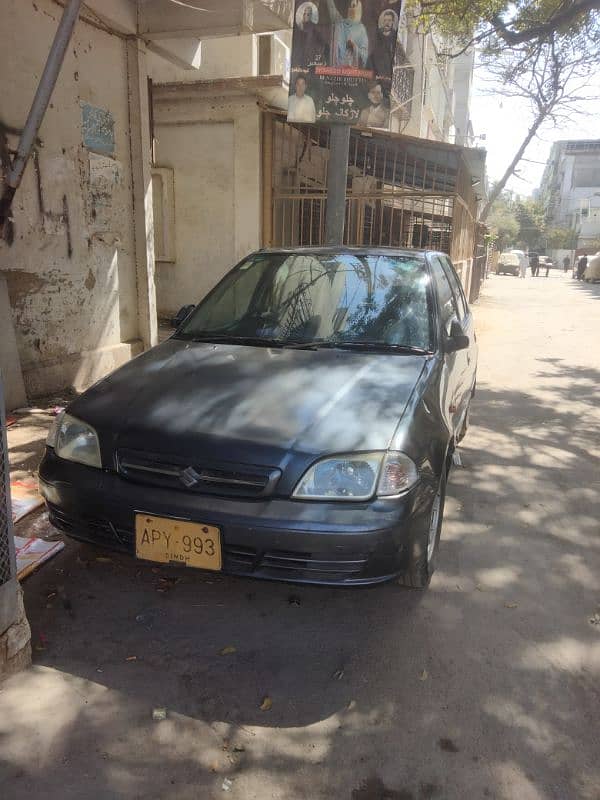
(21, 284)
(90, 281)
(38, 181)
(67, 221)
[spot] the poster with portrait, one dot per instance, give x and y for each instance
(342, 60)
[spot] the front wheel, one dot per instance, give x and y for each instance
(424, 548)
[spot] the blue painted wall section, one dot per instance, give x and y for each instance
(98, 129)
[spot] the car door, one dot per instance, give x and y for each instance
(466, 319)
(455, 370)
(468, 324)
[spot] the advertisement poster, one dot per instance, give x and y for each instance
(342, 60)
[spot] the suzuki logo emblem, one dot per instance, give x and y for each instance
(189, 477)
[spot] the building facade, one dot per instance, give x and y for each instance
(570, 190)
(77, 253)
(431, 92)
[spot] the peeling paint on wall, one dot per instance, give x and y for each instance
(71, 269)
(104, 177)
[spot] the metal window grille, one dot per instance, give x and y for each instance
(6, 561)
(398, 194)
(8, 593)
(401, 192)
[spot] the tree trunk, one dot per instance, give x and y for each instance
(499, 187)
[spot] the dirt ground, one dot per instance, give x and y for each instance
(486, 686)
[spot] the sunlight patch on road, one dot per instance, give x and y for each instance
(566, 653)
(499, 577)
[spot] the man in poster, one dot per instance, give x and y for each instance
(309, 47)
(381, 59)
(376, 114)
(301, 107)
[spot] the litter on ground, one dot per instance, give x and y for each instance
(24, 497)
(32, 552)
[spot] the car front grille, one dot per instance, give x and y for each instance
(175, 473)
(237, 559)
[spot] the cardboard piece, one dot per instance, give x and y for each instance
(32, 552)
(24, 497)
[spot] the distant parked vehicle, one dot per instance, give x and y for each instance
(592, 271)
(508, 263)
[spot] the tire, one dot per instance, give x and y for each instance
(424, 548)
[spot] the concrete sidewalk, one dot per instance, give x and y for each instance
(486, 686)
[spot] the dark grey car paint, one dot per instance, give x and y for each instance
(254, 405)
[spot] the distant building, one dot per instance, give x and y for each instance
(431, 92)
(570, 190)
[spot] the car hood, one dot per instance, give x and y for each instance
(251, 404)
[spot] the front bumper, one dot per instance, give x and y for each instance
(274, 539)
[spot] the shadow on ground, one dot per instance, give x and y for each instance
(484, 687)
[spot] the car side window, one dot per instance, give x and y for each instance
(448, 305)
(457, 287)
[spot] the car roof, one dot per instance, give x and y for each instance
(364, 250)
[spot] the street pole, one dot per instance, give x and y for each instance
(337, 176)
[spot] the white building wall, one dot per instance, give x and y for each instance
(462, 85)
(572, 206)
(71, 268)
(213, 146)
(227, 57)
(439, 89)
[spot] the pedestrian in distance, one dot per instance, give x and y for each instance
(581, 267)
(534, 263)
(566, 263)
(548, 265)
(522, 265)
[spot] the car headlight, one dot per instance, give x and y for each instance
(358, 476)
(74, 440)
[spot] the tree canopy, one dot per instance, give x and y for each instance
(503, 223)
(526, 21)
(522, 223)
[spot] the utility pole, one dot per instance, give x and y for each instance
(337, 177)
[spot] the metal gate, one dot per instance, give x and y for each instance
(8, 593)
(401, 192)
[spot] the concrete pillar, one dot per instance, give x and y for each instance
(15, 636)
(15, 642)
(141, 163)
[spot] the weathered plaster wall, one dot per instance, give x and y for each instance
(225, 57)
(213, 146)
(70, 268)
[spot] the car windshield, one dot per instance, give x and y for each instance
(320, 300)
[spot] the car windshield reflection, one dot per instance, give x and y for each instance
(313, 299)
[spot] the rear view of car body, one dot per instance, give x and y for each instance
(508, 263)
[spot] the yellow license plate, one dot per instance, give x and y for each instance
(174, 541)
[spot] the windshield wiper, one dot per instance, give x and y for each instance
(258, 341)
(385, 346)
(344, 344)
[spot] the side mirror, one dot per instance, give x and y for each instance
(181, 315)
(457, 339)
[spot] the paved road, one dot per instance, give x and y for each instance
(486, 686)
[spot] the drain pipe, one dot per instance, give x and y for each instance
(39, 106)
